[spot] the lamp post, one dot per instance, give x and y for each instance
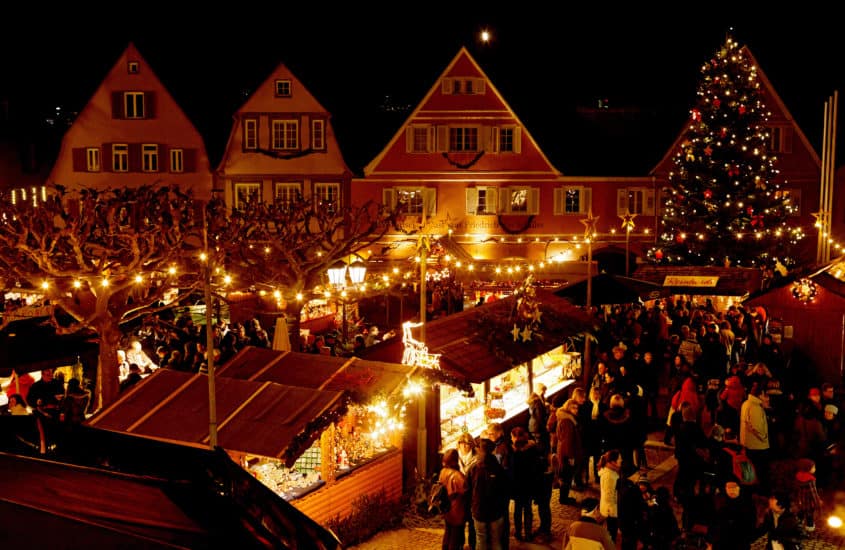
(589, 234)
(338, 272)
(628, 226)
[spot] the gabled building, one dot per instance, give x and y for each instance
(464, 164)
(132, 133)
(798, 163)
(282, 145)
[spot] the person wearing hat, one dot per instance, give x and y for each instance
(586, 532)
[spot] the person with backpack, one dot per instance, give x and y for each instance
(754, 433)
(455, 485)
(488, 490)
(733, 463)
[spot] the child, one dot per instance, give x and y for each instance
(807, 501)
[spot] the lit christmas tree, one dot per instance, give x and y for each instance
(724, 205)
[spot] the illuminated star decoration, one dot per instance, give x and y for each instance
(515, 332)
(590, 225)
(526, 334)
(627, 220)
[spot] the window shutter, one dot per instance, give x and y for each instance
(446, 86)
(189, 160)
(80, 159)
(504, 200)
(106, 157)
(150, 104)
(429, 142)
(134, 157)
(787, 139)
(586, 200)
(533, 201)
(649, 202)
(409, 139)
(117, 105)
(493, 140)
(480, 86)
(621, 201)
(388, 198)
(430, 201)
(442, 139)
(472, 200)
(558, 207)
(517, 140)
(163, 158)
(492, 196)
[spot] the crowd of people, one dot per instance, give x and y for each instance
(735, 408)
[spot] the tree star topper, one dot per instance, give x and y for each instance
(627, 220)
(590, 225)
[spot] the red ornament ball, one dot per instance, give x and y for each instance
(679, 239)
(708, 194)
(750, 210)
(658, 254)
(717, 102)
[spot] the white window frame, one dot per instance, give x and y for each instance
(120, 157)
(149, 157)
(463, 86)
(133, 105)
(562, 207)
(460, 141)
(636, 200)
(245, 190)
(285, 134)
(327, 195)
(92, 159)
(283, 87)
(780, 139)
(532, 200)
(251, 133)
(177, 160)
(482, 200)
(288, 192)
(390, 198)
(318, 134)
(425, 143)
(132, 67)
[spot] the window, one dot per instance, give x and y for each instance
(465, 86)
(246, 193)
(506, 140)
(572, 200)
(120, 157)
(133, 104)
(132, 67)
(636, 200)
(177, 160)
(463, 139)
(792, 200)
(413, 200)
(482, 200)
(519, 200)
(327, 195)
(288, 193)
(92, 159)
(149, 157)
(318, 134)
(285, 134)
(456, 86)
(780, 139)
(250, 133)
(283, 88)
(419, 139)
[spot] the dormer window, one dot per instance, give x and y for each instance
(463, 86)
(282, 88)
(133, 104)
(132, 67)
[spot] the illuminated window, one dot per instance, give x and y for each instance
(572, 200)
(120, 157)
(149, 157)
(288, 193)
(250, 133)
(177, 160)
(463, 139)
(286, 134)
(327, 195)
(318, 134)
(520, 200)
(92, 159)
(247, 192)
(411, 201)
(283, 88)
(133, 104)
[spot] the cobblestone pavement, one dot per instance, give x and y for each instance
(427, 533)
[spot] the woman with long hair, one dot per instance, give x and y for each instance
(610, 464)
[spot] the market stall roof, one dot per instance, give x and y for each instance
(703, 280)
(612, 289)
(362, 379)
(477, 344)
(254, 417)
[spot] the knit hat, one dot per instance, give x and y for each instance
(832, 409)
(815, 391)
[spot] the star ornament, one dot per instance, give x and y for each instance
(526, 334)
(627, 220)
(590, 225)
(515, 331)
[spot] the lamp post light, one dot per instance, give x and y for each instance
(589, 234)
(338, 272)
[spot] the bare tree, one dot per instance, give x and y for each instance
(102, 257)
(290, 245)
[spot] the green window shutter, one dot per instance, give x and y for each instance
(586, 200)
(533, 201)
(430, 201)
(621, 201)
(472, 200)
(492, 196)
(442, 139)
(388, 198)
(517, 140)
(558, 207)
(409, 139)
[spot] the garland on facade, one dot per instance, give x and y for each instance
(285, 156)
(440, 376)
(303, 439)
(464, 165)
(510, 231)
(804, 290)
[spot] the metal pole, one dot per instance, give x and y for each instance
(209, 345)
(422, 432)
(627, 257)
(587, 360)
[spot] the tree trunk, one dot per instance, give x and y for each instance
(108, 385)
(293, 311)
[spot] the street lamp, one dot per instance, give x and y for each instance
(338, 272)
(628, 226)
(589, 235)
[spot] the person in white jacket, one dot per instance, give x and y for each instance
(754, 433)
(610, 465)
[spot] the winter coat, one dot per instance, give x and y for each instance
(568, 436)
(688, 393)
(734, 392)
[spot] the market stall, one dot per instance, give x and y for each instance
(312, 441)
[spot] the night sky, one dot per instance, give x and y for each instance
(547, 65)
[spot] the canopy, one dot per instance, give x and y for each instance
(612, 289)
